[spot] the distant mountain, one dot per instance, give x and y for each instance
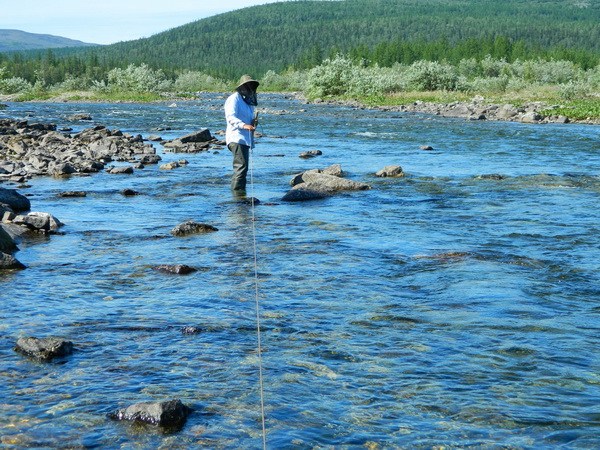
(15, 40)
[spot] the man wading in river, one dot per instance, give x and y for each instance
(239, 114)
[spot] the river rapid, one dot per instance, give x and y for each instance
(446, 308)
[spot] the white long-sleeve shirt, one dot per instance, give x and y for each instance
(237, 114)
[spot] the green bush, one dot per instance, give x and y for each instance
(14, 85)
(192, 81)
(432, 76)
(138, 79)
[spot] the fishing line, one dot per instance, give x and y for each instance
(257, 306)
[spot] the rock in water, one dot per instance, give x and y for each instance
(301, 195)
(15, 200)
(177, 269)
(171, 413)
(44, 349)
(7, 244)
(9, 262)
(390, 171)
(191, 227)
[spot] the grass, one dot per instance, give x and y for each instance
(585, 109)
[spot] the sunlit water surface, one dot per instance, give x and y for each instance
(439, 309)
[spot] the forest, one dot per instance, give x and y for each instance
(301, 34)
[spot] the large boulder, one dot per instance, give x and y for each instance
(14, 200)
(44, 349)
(331, 183)
(171, 413)
(320, 183)
(38, 221)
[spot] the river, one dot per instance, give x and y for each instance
(447, 308)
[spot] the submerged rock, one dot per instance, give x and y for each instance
(129, 192)
(177, 269)
(73, 194)
(171, 413)
(44, 349)
(190, 329)
(301, 194)
(310, 154)
(191, 227)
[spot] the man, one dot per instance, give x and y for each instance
(239, 114)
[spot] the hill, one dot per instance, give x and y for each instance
(278, 35)
(15, 40)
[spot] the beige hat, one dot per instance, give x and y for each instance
(247, 79)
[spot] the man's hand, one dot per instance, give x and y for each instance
(249, 127)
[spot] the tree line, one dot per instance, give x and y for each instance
(301, 34)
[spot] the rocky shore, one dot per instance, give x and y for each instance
(478, 109)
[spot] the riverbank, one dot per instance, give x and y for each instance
(480, 108)
(529, 110)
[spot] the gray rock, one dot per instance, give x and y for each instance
(390, 171)
(530, 117)
(330, 183)
(334, 170)
(198, 136)
(171, 413)
(125, 170)
(191, 227)
(150, 159)
(44, 349)
(14, 200)
(170, 166)
(506, 112)
(39, 221)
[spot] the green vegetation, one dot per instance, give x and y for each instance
(374, 51)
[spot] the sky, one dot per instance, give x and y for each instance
(110, 21)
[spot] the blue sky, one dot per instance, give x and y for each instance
(109, 21)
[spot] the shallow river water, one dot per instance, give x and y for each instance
(439, 309)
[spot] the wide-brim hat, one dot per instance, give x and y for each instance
(247, 79)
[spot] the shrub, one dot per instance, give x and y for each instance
(287, 81)
(138, 79)
(332, 77)
(14, 85)
(72, 83)
(192, 81)
(432, 76)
